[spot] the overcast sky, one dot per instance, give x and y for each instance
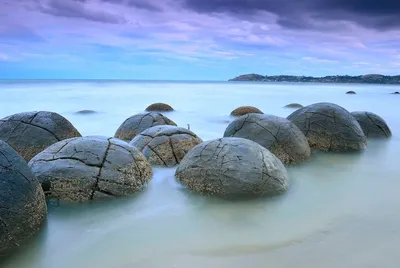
(197, 39)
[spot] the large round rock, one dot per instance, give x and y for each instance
(159, 107)
(165, 145)
(81, 169)
(31, 132)
(329, 127)
(22, 203)
(232, 168)
(280, 136)
(140, 122)
(242, 110)
(372, 124)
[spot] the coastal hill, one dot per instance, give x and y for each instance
(366, 79)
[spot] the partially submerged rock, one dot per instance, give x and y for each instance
(159, 107)
(140, 122)
(31, 132)
(165, 145)
(372, 124)
(329, 127)
(232, 168)
(84, 112)
(396, 92)
(280, 136)
(22, 204)
(93, 167)
(242, 110)
(351, 92)
(294, 105)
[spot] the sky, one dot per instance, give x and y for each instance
(197, 39)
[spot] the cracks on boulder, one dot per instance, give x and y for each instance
(69, 158)
(376, 124)
(34, 125)
(155, 152)
(173, 151)
(8, 232)
(96, 187)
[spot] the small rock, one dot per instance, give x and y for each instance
(159, 107)
(294, 105)
(84, 112)
(396, 92)
(245, 110)
(351, 92)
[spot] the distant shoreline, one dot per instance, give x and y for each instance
(360, 79)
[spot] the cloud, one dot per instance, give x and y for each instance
(317, 60)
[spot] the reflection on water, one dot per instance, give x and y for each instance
(341, 210)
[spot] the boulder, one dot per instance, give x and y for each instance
(372, 124)
(232, 168)
(245, 110)
(85, 112)
(31, 132)
(159, 107)
(22, 203)
(93, 167)
(165, 145)
(396, 92)
(140, 122)
(280, 136)
(294, 105)
(329, 127)
(351, 92)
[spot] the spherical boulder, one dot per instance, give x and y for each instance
(22, 203)
(31, 132)
(294, 105)
(165, 145)
(242, 110)
(232, 168)
(159, 107)
(140, 122)
(329, 127)
(93, 167)
(351, 92)
(280, 136)
(372, 124)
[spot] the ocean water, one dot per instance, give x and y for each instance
(342, 210)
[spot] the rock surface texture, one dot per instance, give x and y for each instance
(87, 168)
(280, 136)
(159, 107)
(372, 124)
(245, 110)
(232, 168)
(31, 132)
(329, 127)
(22, 203)
(165, 145)
(140, 122)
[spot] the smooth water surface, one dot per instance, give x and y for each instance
(342, 210)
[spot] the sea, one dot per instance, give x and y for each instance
(342, 209)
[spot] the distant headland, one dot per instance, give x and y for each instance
(365, 79)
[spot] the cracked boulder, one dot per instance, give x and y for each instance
(280, 136)
(140, 122)
(329, 127)
(159, 107)
(31, 132)
(165, 145)
(22, 203)
(93, 167)
(232, 168)
(372, 125)
(242, 110)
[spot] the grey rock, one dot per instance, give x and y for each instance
(140, 122)
(242, 110)
(294, 105)
(85, 112)
(159, 107)
(22, 203)
(396, 92)
(351, 92)
(372, 124)
(165, 145)
(93, 167)
(31, 132)
(329, 127)
(232, 168)
(280, 136)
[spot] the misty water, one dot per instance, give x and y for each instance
(342, 210)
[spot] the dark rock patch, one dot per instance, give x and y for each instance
(372, 124)
(159, 107)
(351, 92)
(140, 122)
(280, 136)
(396, 92)
(245, 110)
(165, 145)
(31, 132)
(329, 127)
(232, 168)
(85, 112)
(94, 167)
(294, 105)
(22, 203)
